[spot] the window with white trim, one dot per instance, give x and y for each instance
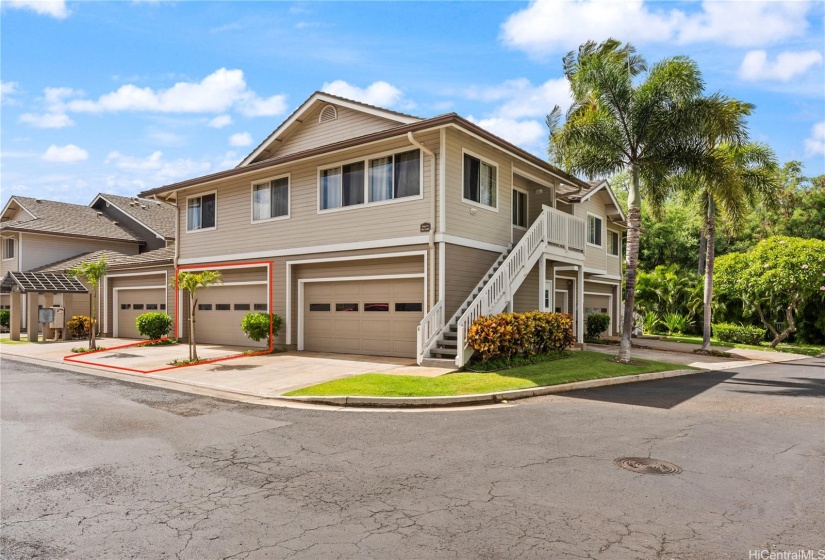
(594, 230)
(519, 208)
(381, 179)
(200, 212)
(270, 199)
(480, 181)
(612, 243)
(8, 248)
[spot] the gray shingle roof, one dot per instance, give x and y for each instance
(115, 259)
(66, 219)
(156, 216)
(41, 282)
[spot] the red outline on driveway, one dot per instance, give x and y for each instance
(269, 264)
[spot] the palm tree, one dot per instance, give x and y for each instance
(92, 273)
(734, 180)
(652, 128)
(191, 282)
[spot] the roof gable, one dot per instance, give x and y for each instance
(153, 215)
(303, 130)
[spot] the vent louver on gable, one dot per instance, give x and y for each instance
(328, 113)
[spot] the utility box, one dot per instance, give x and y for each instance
(59, 320)
(45, 315)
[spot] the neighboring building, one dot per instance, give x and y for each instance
(375, 232)
(36, 233)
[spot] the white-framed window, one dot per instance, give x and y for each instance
(519, 208)
(8, 248)
(387, 178)
(613, 244)
(201, 212)
(270, 199)
(480, 179)
(594, 230)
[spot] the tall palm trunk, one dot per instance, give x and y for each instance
(703, 248)
(193, 349)
(92, 340)
(709, 259)
(634, 221)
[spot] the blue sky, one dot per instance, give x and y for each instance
(124, 96)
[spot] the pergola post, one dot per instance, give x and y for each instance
(32, 326)
(15, 314)
(48, 301)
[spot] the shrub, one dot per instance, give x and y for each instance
(740, 334)
(595, 325)
(507, 335)
(5, 318)
(677, 323)
(78, 326)
(256, 326)
(650, 322)
(153, 325)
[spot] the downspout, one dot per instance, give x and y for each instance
(433, 226)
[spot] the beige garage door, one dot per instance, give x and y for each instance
(221, 310)
(374, 317)
(132, 303)
(596, 304)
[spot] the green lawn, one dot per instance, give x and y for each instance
(6, 340)
(793, 348)
(580, 366)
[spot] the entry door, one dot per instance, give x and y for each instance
(561, 302)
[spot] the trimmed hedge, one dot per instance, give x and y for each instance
(256, 326)
(78, 326)
(5, 318)
(595, 325)
(507, 335)
(740, 334)
(153, 325)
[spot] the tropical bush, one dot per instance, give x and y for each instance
(153, 325)
(5, 318)
(595, 325)
(256, 326)
(78, 326)
(676, 323)
(741, 334)
(508, 335)
(650, 322)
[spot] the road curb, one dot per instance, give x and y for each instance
(485, 398)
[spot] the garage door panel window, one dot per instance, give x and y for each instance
(137, 306)
(320, 307)
(260, 307)
(242, 307)
(409, 307)
(163, 307)
(376, 307)
(346, 307)
(204, 307)
(126, 306)
(270, 199)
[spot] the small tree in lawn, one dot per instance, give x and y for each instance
(191, 282)
(779, 274)
(91, 273)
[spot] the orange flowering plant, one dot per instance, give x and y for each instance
(520, 334)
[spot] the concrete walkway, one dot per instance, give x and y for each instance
(765, 356)
(267, 375)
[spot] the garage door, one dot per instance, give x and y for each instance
(221, 310)
(375, 317)
(596, 304)
(132, 303)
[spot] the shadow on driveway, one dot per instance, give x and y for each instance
(806, 387)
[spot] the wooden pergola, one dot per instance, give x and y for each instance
(33, 284)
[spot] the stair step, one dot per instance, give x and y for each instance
(437, 362)
(450, 335)
(447, 344)
(439, 352)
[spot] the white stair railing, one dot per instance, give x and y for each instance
(429, 329)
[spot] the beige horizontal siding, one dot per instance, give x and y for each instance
(595, 257)
(155, 279)
(465, 267)
(312, 134)
(40, 250)
(306, 227)
(527, 296)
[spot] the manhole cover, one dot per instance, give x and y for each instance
(119, 355)
(646, 465)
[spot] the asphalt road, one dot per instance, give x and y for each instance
(94, 468)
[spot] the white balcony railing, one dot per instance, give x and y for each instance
(429, 329)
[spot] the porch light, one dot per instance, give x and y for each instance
(473, 211)
(538, 191)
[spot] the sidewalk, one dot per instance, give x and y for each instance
(765, 356)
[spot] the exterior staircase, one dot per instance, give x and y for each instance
(444, 343)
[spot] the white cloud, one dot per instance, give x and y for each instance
(788, 65)
(216, 93)
(156, 168)
(815, 144)
(526, 134)
(7, 90)
(521, 99)
(380, 94)
(65, 154)
(47, 120)
(240, 139)
(54, 8)
(220, 121)
(547, 26)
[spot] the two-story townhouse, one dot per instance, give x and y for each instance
(135, 234)
(375, 232)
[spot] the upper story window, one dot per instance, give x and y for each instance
(270, 199)
(480, 182)
(613, 246)
(8, 248)
(519, 208)
(381, 179)
(594, 230)
(200, 212)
